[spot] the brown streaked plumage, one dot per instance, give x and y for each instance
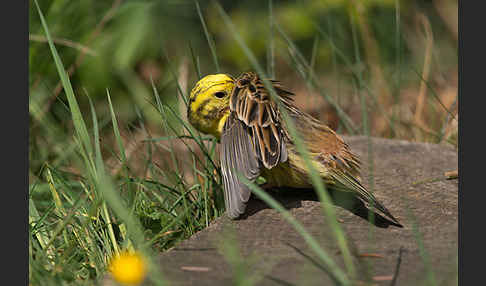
(255, 141)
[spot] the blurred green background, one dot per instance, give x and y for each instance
(384, 68)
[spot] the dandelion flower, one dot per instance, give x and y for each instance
(128, 268)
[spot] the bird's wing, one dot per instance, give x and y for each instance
(252, 138)
(254, 107)
(237, 156)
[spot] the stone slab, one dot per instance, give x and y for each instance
(408, 178)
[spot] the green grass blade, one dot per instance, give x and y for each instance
(96, 136)
(312, 62)
(78, 121)
(431, 277)
(271, 48)
(398, 63)
(364, 111)
(210, 40)
(116, 130)
(195, 62)
(34, 217)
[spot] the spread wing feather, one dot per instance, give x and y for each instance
(237, 156)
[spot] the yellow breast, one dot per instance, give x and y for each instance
(288, 174)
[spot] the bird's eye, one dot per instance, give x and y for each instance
(220, 94)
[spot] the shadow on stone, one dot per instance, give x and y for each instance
(292, 198)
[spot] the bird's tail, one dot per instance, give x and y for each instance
(348, 183)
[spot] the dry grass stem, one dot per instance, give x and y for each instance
(63, 42)
(429, 41)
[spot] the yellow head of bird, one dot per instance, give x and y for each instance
(209, 103)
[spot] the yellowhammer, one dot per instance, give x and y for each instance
(255, 141)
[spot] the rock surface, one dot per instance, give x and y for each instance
(408, 179)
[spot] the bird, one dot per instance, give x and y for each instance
(255, 141)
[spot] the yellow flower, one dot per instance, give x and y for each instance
(128, 268)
